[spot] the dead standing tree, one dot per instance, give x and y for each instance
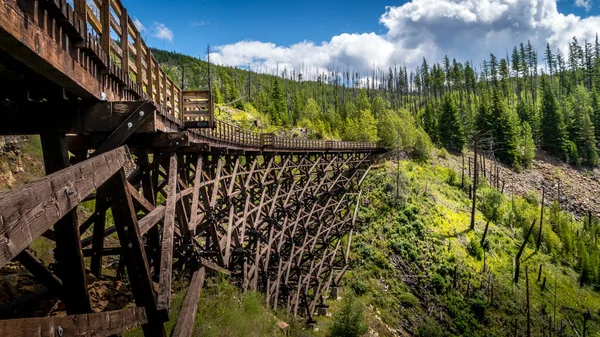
(518, 256)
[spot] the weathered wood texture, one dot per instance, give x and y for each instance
(27, 212)
(97, 324)
(187, 315)
(166, 262)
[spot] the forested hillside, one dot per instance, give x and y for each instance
(514, 104)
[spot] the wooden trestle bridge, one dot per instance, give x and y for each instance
(186, 193)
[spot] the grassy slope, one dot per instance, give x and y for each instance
(405, 257)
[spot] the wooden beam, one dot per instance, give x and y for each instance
(28, 211)
(26, 117)
(134, 253)
(132, 123)
(187, 315)
(41, 272)
(30, 44)
(166, 256)
(98, 235)
(96, 324)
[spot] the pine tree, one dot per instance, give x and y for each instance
(553, 131)
(583, 264)
(527, 146)
(505, 131)
(587, 148)
(450, 129)
(430, 122)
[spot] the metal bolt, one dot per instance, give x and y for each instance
(176, 143)
(126, 228)
(59, 330)
(129, 125)
(130, 245)
(141, 114)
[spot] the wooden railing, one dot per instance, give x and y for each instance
(128, 54)
(229, 135)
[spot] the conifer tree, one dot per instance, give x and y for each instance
(505, 131)
(430, 122)
(450, 129)
(553, 131)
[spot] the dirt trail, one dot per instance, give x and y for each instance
(579, 187)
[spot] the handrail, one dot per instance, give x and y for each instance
(227, 134)
(114, 54)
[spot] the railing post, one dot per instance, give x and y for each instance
(80, 7)
(149, 73)
(138, 59)
(105, 21)
(124, 41)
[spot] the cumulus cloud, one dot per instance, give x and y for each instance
(587, 4)
(464, 29)
(162, 32)
(138, 24)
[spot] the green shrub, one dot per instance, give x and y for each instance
(491, 204)
(349, 321)
(429, 328)
(358, 286)
(438, 282)
(443, 153)
(407, 299)
(475, 249)
(452, 178)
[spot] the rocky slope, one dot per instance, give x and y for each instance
(578, 188)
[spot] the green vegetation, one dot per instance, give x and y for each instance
(349, 321)
(416, 261)
(509, 101)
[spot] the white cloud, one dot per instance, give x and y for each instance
(138, 24)
(199, 23)
(162, 32)
(465, 29)
(587, 4)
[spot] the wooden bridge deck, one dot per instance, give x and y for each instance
(275, 214)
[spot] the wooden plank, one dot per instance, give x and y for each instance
(41, 272)
(187, 315)
(125, 41)
(98, 234)
(214, 266)
(151, 219)
(28, 211)
(166, 256)
(68, 254)
(133, 122)
(30, 44)
(96, 324)
(196, 194)
(93, 20)
(145, 205)
(134, 253)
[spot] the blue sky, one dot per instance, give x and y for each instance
(265, 33)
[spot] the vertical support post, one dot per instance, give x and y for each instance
(98, 235)
(149, 73)
(80, 7)
(148, 189)
(138, 59)
(105, 21)
(68, 252)
(125, 41)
